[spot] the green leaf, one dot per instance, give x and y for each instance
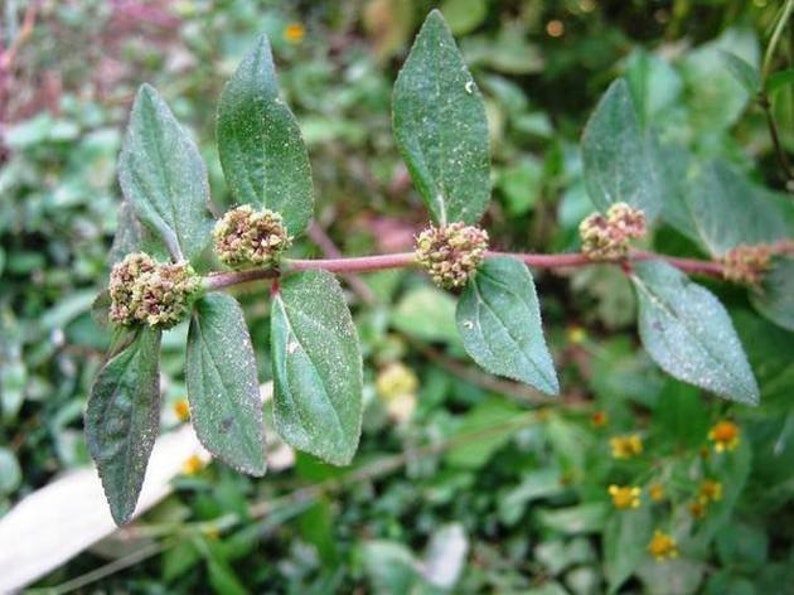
(775, 299)
(440, 127)
(617, 157)
(132, 236)
(710, 199)
(316, 367)
(498, 317)
(428, 314)
(162, 175)
(626, 537)
(123, 417)
(779, 80)
(744, 72)
(260, 146)
(222, 385)
(493, 414)
(687, 331)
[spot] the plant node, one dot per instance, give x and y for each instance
(246, 238)
(607, 237)
(451, 253)
(144, 291)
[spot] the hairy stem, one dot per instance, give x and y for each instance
(378, 262)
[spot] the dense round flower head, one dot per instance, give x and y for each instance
(625, 497)
(143, 291)
(663, 546)
(245, 237)
(725, 435)
(606, 237)
(451, 253)
(626, 447)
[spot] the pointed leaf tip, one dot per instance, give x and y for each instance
(260, 145)
(440, 126)
(688, 332)
(498, 316)
(317, 368)
(222, 385)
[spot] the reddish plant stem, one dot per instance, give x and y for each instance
(378, 262)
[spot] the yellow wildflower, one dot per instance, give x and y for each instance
(396, 380)
(182, 410)
(294, 33)
(626, 447)
(663, 546)
(624, 497)
(193, 465)
(725, 436)
(656, 492)
(710, 491)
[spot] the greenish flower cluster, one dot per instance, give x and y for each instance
(451, 253)
(607, 237)
(245, 237)
(144, 291)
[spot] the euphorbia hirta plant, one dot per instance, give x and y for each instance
(172, 261)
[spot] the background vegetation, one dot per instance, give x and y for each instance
(463, 481)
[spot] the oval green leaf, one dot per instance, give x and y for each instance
(498, 316)
(317, 367)
(260, 145)
(222, 386)
(440, 127)
(618, 158)
(123, 417)
(687, 331)
(162, 175)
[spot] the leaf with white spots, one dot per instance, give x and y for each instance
(618, 157)
(261, 149)
(688, 332)
(123, 417)
(163, 177)
(498, 316)
(440, 127)
(317, 367)
(222, 386)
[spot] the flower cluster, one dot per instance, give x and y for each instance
(747, 264)
(396, 385)
(626, 447)
(245, 237)
(725, 436)
(144, 291)
(451, 253)
(607, 237)
(663, 546)
(708, 492)
(624, 497)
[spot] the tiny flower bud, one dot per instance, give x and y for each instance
(451, 253)
(248, 238)
(143, 291)
(747, 264)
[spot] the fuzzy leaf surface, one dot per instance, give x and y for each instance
(440, 127)
(162, 175)
(316, 367)
(222, 385)
(498, 317)
(618, 156)
(261, 149)
(688, 332)
(123, 417)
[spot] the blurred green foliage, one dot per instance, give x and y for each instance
(464, 472)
